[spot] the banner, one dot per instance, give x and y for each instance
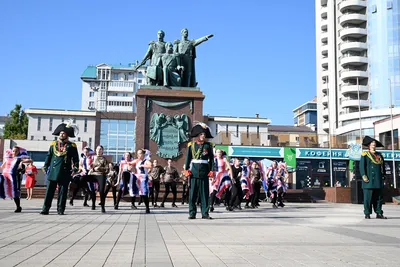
(290, 156)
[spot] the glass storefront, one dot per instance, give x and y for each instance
(117, 137)
(315, 173)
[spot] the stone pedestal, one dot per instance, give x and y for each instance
(170, 102)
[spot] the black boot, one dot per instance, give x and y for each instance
(103, 210)
(18, 204)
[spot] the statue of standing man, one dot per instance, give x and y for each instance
(187, 50)
(154, 53)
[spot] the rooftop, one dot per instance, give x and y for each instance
(239, 119)
(290, 129)
(90, 71)
(314, 101)
(43, 111)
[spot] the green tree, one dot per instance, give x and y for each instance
(17, 125)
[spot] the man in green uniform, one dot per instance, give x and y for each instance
(62, 155)
(372, 171)
(199, 166)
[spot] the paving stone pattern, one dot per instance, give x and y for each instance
(319, 234)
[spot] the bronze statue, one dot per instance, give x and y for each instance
(154, 54)
(171, 67)
(187, 50)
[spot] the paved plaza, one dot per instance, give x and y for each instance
(320, 234)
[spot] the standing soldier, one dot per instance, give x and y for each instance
(58, 166)
(199, 166)
(372, 171)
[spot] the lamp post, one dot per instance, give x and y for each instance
(329, 135)
(392, 133)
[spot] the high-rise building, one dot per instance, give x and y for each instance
(111, 87)
(306, 114)
(358, 63)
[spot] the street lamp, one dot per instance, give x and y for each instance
(392, 133)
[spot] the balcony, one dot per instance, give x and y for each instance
(347, 74)
(325, 126)
(325, 99)
(325, 113)
(325, 73)
(354, 103)
(121, 86)
(352, 5)
(353, 18)
(324, 37)
(324, 12)
(324, 49)
(347, 89)
(324, 24)
(353, 60)
(352, 46)
(324, 88)
(324, 62)
(354, 32)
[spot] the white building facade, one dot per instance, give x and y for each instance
(42, 123)
(349, 60)
(239, 130)
(111, 88)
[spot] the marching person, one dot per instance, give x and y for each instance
(81, 179)
(272, 183)
(372, 171)
(127, 180)
(98, 172)
(199, 166)
(185, 186)
(10, 180)
(143, 165)
(222, 180)
(171, 176)
(112, 178)
(237, 194)
(62, 155)
(155, 175)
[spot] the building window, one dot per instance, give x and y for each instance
(91, 104)
(373, 8)
(39, 123)
(55, 138)
(74, 120)
(226, 130)
(31, 137)
(90, 141)
(247, 131)
(237, 130)
(79, 139)
(125, 77)
(85, 126)
(216, 129)
(62, 119)
(125, 94)
(258, 131)
(139, 81)
(140, 75)
(44, 138)
(115, 76)
(297, 138)
(51, 124)
(91, 94)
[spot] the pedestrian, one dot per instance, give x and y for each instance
(30, 173)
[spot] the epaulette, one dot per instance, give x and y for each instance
(363, 153)
(212, 144)
(53, 143)
(189, 144)
(73, 144)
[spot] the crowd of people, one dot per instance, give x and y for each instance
(207, 178)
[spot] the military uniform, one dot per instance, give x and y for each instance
(58, 164)
(372, 170)
(200, 164)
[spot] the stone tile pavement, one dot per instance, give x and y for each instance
(319, 234)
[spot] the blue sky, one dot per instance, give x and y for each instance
(261, 59)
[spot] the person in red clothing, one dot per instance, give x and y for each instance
(30, 172)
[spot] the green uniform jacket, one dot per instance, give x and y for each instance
(197, 151)
(372, 169)
(58, 165)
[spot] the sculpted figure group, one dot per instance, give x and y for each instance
(172, 64)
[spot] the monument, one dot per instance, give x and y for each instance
(171, 102)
